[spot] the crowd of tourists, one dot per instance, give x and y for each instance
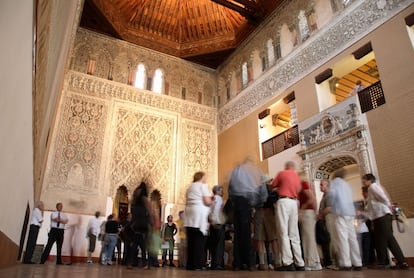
(265, 224)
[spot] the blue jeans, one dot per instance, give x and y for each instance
(110, 242)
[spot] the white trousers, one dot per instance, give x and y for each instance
(347, 247)
(307, 219)
(287, 222)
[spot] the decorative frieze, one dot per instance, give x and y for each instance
(98, 87)
(334, 121)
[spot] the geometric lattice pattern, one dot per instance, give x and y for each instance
(280, 142)
(371, 97)
(332, 165)
(143, 148)
(198, 147)
(79, 145)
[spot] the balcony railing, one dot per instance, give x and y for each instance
(280, 142)
(371, 97)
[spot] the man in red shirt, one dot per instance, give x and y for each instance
(288, 185)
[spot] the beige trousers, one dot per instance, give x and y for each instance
(307, 220)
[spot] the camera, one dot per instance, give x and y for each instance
(396, 210)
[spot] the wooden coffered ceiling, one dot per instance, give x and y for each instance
(202, 31)
(368, 74)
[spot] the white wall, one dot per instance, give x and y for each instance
(75, 240)
(277, 162)
(406, 239)
(16, 161)
(325, 98)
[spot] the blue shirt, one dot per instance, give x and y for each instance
(339, 197)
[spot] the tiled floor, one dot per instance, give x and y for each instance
(50, 270)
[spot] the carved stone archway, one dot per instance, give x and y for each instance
(335, 138)
(342, 150)
(324, 170)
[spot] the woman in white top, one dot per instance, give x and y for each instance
(198, 201)
(379, 210)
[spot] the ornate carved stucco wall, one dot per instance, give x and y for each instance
(108, 133)
(119, 59)
(347, 27)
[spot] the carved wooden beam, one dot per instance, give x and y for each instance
(249, 9)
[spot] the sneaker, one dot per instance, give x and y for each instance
(89, 262)
(357, 268)
(332, 267)
(171, 265)
(290, 267)
(262, 267)
(271, 267)
(315, 267)
(300, 268)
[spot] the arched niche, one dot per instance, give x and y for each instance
(120, 206)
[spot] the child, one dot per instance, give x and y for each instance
(168, 232)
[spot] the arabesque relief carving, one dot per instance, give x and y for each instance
(77, 155)
(144, 145)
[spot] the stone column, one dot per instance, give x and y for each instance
(363, 155)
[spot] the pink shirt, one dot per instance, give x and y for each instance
(288, 183)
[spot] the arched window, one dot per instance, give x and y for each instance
(303, 26)
(140, 77)
(228, 94)
(270, 52)
(157, 81)
(245, 78)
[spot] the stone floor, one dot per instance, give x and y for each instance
(50, 270)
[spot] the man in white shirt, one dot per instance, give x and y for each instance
(57, 228)
(93, 231)
(217, 229)
(35, 224)
(379, 211)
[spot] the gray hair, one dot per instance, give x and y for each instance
(217, 188)
(328, 182)
(290, 165)
(38, 203)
